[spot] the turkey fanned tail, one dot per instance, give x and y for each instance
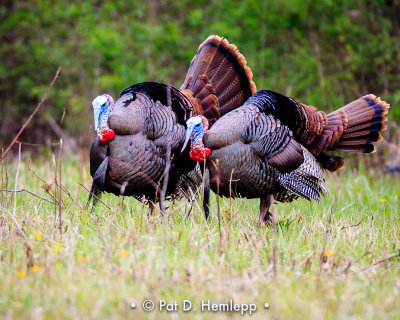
(218, 80)
(307, 181)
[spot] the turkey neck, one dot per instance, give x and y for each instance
(197, 141)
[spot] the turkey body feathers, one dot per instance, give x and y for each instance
(257, 155)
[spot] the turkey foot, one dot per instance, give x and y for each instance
(265, 218)
(150, 211)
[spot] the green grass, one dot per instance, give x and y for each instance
(99, 264)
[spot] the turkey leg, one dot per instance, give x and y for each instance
(265, 214)
(151, 209)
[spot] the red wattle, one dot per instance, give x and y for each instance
(199, 155)
(108, 134)
(101, 138)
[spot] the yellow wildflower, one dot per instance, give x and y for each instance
(21, 274)
(81, 259)
(57, 247)
(37, 235)
(123, 253)
(34, 268)
(383, 200)
(314, 277)
(328, 253)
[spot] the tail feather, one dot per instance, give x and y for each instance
(366, 118)
(353, 128)
(226, 82)
(377, 123)
(231, 103)
(218, 80)
(355, 141)
(232, 89)
(367, 148)
(358, 118)
(360, 133)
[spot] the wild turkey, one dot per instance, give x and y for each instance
(274, 145)
(139, 138)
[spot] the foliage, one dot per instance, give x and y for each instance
(324, 53)
(96, 265)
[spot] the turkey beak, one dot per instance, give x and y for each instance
(188, 135)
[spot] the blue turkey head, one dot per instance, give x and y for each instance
(196, 127)
(102, 106)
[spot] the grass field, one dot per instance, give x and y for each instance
(331, 258)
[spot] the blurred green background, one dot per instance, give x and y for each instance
(324, 53)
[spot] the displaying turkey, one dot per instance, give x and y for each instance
(274, 145)
(139, 138)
